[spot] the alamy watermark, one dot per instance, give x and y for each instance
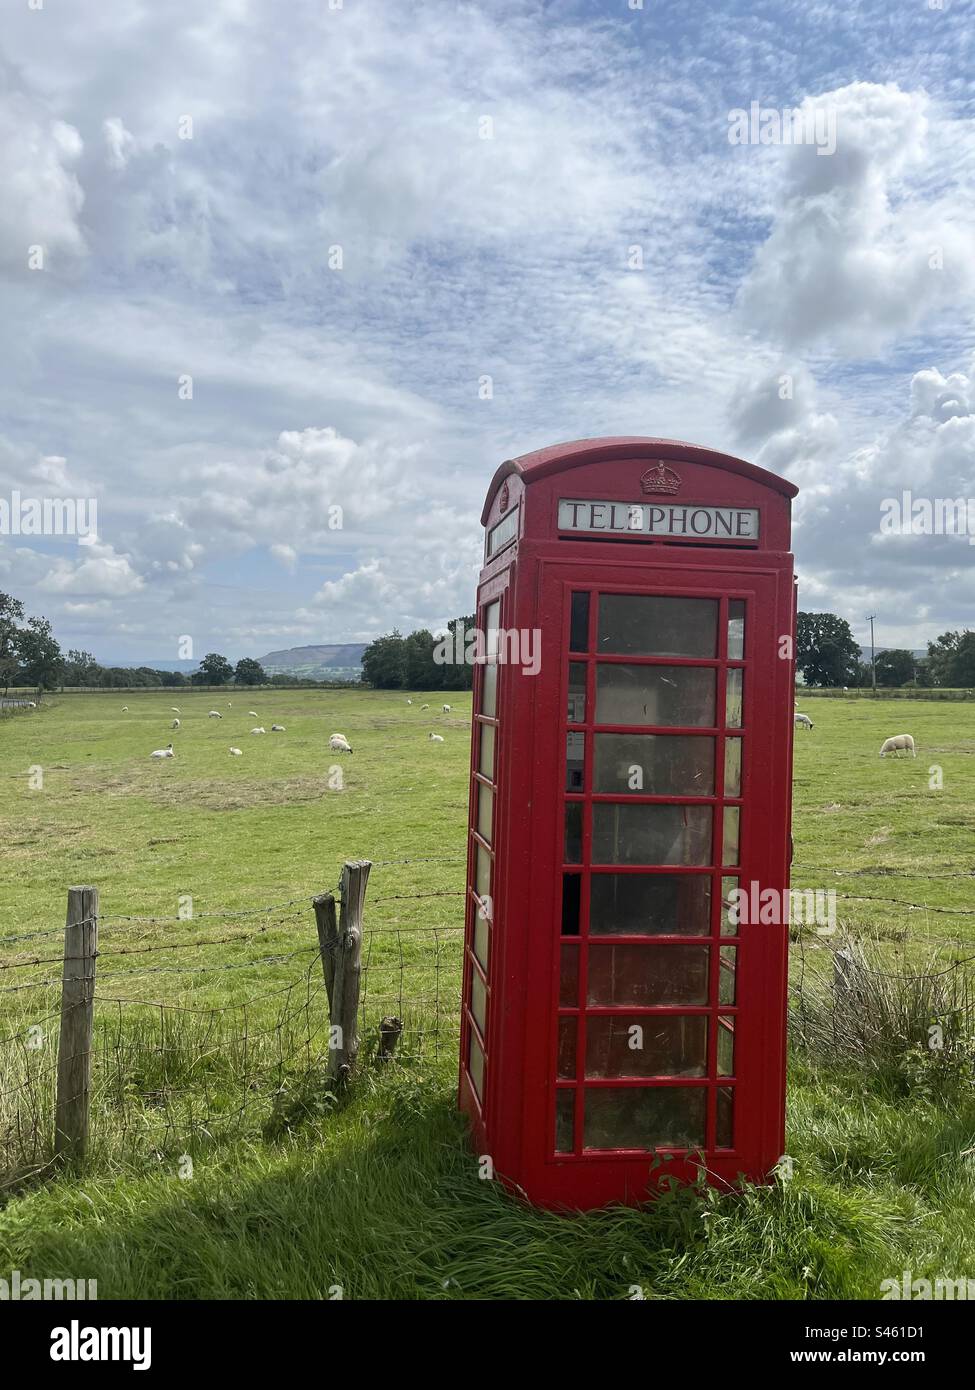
(49, 516)
(17, 1289)
(792, 125)
(497, 646)
(908, 515)
(907, 1287)
(753, 905)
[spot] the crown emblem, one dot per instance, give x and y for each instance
(505, 497)
(659, 478)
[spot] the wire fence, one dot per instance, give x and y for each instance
(186, 1051)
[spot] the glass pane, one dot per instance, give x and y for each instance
(489, 691)
(644, 1045)
(579, 623)
(657, 625)
(476, 1066)
(623, 834)
(647, 976)
(485, 810)
(482, 874)
(479, 1002)
(573, 832)
(569, 978)
(575, 761)
(726, 1108)
(565, 1113)
(571, 895)
(650, 905)
(726, 1047)
(481, 935)
(732, 826)
(644, 1117)
(662, 695)
(728, 886)
(654, 764)
(486, 760)
(736, 678)
(736, 629)
(491, 616)
(577, 693)
(732, 767)
(568, 1034)
(726, 977)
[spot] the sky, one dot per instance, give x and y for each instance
(257, 261)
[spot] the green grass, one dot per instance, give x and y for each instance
(291, 1194)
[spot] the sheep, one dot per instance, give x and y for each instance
(277, 729)
(802, 720)
(32, 704)
(409, 702)
(422, 707)
(237, 752)
(436, 738)
(174, 709)
(166, 752)
(253, 714)
(898, 742)
(259, 730)
(125, 709)
(339, 744)
(214, 714)
(175, 724)
(446, 709)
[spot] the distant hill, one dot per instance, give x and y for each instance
(337, 661)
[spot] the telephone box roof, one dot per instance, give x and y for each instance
(559, 458)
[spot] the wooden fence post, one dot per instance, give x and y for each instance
(328, 936)
(77, 1020)
(344, 999)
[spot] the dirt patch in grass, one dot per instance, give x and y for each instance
(214, 794)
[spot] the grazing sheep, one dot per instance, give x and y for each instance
(174, 709)
(436, 738)
(898, 742)
(446, 709)
(125, 709)
(277, 729)
(802, 720)
(424, 706)
(253, 714)
(237, 752)
(409, 702)
(175, 724)
(259, 730)
(214, 714)
(339, 744)
(166, 752)
(32, 704)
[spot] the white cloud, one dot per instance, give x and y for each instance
(42, 198)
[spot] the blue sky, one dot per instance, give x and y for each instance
(361, 128)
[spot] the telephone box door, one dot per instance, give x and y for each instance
(664, 695)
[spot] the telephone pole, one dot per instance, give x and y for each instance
(873, 659)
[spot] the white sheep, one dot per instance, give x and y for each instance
(446, 709)
(409, 702)
(174, 709)
(339, 744)
(898, 742)
(424, 706)
(277, 729)
(237, 752)
(802, 720)
(125, 709)
(166, 752)
(436, 738)
(175, 724)
(259, 730)
(214, 714)
(253, 714)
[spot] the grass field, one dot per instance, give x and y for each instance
(379, 1195)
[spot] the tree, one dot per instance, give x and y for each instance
(249, 672)
(458, 676)
(951, 659)
(216, 669)
(895, 666)
(384, 662)
(420, 671)
(11, 615)
(826, 652)
(41, 662)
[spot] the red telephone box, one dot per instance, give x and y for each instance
(630, 767)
